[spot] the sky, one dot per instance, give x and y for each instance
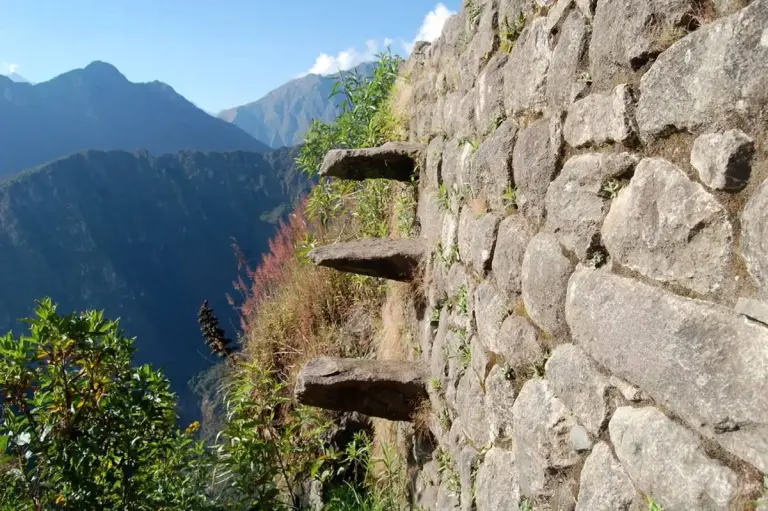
(218, 54)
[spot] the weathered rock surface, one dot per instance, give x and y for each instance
(477, 238)
(469, 399)
(489, 106)
(393, 160)
(490, 310)
(577, 382)
(605, 485)
(710, 78)
(753, 309)
(576, 204)
(625, 35)
(511, 241)
(542, 426)
(754, 237)
(395, 259)
(525, 76)
(466, 464)
(698, 359)
(387, 389)
(580, 439)
(497, 482)
(545, 278)
(430, 216)
(499, 398)
(492, 165)
(670, 229)
(434, 161)
(723, 159)
(517, 342)
(601, 118)
(535, 165)
(667, 461)
(564, 84)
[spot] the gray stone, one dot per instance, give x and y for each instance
(710, 78)
(601, 118)
(723, 159)
(393, 160)
(700, 360)
(605, 485)
(464, 123)
(511, 241)
(497, 482)
(477, 239)
(438, 358)
(426, 486)
(449, 237)
(558, 10)
(627, 390)
(456, 344)
(457, 281)
(430, 217)
(469, 399)
(580, 440)
(542, 426)
(670, 228)
(395, 259)
(490, 310)
(447, 497)
(575, 203)
(625, 35)
(499, 398)
(466, 464)
(563, 83)
(578, 383)
(545, 274)
(586, 7)
(753, 309)
(517, 342)
(389, 389)
(535, 165)
(451, 112)
(525, 75)
(481, 358)
(434, 162)
(489, 99)
(667, 461)
(492, 165)
(457, 158)
(726, 7)
(754, 237)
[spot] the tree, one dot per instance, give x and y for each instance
(214, 336)
(81, 428)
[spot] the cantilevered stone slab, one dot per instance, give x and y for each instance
(393, 160)
(380, 388)
(386, 258)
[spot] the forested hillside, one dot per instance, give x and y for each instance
(145, 238)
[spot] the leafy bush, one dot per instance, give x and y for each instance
(81, 428)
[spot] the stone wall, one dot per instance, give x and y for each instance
(596, 193)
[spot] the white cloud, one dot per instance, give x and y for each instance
(430, 30)
(12, 68)
(328, 64)
(431, 27)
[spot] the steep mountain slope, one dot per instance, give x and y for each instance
(144, 238)
(281, 118)
(15, 77)
(98, 108)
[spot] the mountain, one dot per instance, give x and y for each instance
(145, 238)
(98, 108)
(15, 77)
(282, 117)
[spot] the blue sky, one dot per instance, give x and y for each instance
(217, 54)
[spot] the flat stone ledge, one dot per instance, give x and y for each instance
(392, 259)
(394, 160)
(388, 389)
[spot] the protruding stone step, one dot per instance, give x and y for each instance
(393, 160)
(380, 388)
(386, 258)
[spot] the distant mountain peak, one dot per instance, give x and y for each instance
(15, 77)
(103, 70)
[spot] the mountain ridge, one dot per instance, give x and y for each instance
(97, 107)
(282, 116)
